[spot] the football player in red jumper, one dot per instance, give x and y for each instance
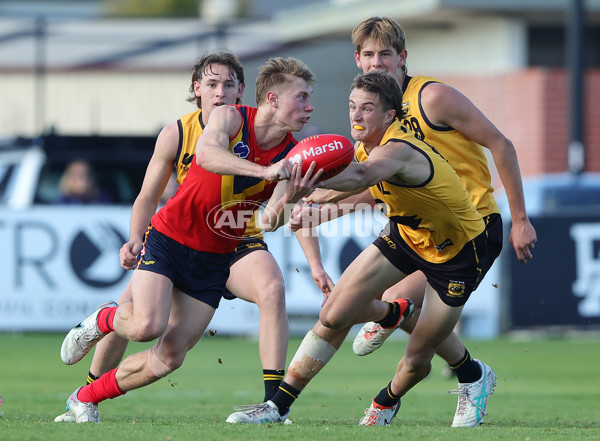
(188, 247)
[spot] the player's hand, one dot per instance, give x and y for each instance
(299, 186)
(304, 216)
(523, 238)
(326, 295)
(129, 253)
(279, 171)
(318, 196)
(323, 282)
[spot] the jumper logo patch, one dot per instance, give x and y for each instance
(241, 150)
(456, 289)
(445, 244)
(185, 162)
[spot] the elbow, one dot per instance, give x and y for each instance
(207, 161)
(201, 158)
(268, 228)
(360, 179)
(507, 145)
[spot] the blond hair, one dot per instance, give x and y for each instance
(276, 72)
(382, 30)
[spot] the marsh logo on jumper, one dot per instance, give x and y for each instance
(230, 219)
(94, 255)
(587, 267)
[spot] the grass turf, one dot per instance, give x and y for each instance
(547, 389)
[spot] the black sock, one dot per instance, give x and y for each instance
(285, 397)
(467, 370)
(272, 379)
(386, 398)
(392, 317)
(91, 378)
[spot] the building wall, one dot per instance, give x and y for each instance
(530, 107)
(95, 102)
(470, 45)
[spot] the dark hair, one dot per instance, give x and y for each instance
(382, 30)
(385, 86)
(203, 65)
(276, 71)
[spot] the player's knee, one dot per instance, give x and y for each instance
(272, 296)
(409, 325)
(332, 321)
(418, 362)
(146, 331)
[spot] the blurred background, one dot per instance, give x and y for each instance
(96, 80)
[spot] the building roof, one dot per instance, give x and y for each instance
(80, 39)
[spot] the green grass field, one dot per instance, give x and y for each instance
(548, 389)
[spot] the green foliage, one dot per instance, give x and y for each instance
(547, 390)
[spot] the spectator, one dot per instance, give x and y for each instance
(78, 185)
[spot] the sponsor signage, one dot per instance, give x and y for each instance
(561, 284)
(58, 263)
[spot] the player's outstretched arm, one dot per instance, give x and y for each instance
(154, 184)
(310, 246)
(212, 149)
(445, 105)
(383, 163)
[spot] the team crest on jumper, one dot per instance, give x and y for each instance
(456, 289)
(241, 150)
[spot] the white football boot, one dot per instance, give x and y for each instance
(377, 415)
(78, 411)
(257, 414)
(371, 336)
(472, 398)
(83, 337)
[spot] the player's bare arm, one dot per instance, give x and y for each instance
(444, 105)
(213, 155)
(324, 196)
(395, 161)
(312, 251)
(315, 209)
(155, 181)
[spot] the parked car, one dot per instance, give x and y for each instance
(30, 168)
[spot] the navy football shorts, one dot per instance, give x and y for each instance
(201, 275)
(245, 247)
(456, 279)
